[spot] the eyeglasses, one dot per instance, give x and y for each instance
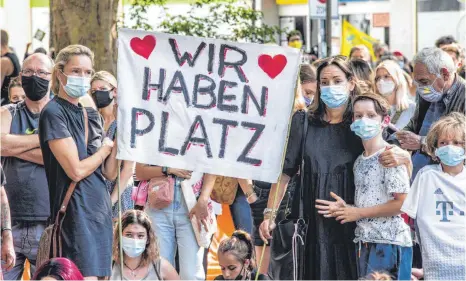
(40, 73)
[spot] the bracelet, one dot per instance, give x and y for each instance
(269, 211)
(5, 228)
(270, 216)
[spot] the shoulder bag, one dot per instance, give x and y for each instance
(224, 191)
(50, 245)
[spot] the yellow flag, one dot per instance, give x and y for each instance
(351, 36)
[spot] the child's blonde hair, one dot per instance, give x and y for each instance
(452, 124)
(378, 276)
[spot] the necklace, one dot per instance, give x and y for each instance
(133, 271)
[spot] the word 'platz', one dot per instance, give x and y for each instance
(205, 105)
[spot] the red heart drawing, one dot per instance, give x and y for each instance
(143, 47)
(272, 66)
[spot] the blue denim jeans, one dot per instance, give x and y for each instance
(377, 257)
(174, 232)
(26, 236)
(241, 212)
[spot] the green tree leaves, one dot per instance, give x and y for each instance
(229, 20)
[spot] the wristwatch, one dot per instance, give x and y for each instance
(165, 171)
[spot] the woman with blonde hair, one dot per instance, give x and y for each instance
(141, 255)
(73, 163)
(391, 83)
(103, 92)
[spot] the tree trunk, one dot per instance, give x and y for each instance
(91, 23)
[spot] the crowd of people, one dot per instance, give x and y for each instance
(372, 185)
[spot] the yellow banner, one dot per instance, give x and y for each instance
(351, 36)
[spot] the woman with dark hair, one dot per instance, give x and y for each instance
(236, 258)
(58, 269)
(364, 74)
(141, 256)
(331, 149)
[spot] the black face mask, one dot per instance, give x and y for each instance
(103, 98)
(35, 87)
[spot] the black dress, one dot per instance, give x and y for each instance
(330, 152)
(87, 228)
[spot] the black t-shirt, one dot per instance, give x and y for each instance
(6, 81)
(253, 276)
(87, 228)
(27, 184)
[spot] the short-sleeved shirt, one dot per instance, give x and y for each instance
(437, 201)
(6, 82)
(27, 183)
(87, 228)
(376, 185)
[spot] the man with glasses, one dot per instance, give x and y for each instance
(26, 186)
(440, 91)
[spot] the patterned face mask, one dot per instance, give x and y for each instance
(429, 93)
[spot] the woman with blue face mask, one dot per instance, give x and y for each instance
(330, 150)
(70, 157)
(141, 254)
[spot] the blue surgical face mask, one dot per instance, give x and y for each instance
(366, 128)
(77, 86)
(429, 93)
(450, 155)
(133, 247)
(334, 96)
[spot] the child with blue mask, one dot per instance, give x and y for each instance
(379, 195)
(437, 201)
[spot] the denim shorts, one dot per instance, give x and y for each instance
(386, 258)
(259, 206)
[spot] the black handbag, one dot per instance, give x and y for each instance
(287, 253)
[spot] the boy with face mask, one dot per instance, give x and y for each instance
(437, 202)
(383, 239)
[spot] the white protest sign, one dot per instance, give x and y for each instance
(204, 105)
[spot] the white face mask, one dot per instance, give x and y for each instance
(386, 87)
(133, 247)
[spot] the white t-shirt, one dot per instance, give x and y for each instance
(438, 203)
(376, 185)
